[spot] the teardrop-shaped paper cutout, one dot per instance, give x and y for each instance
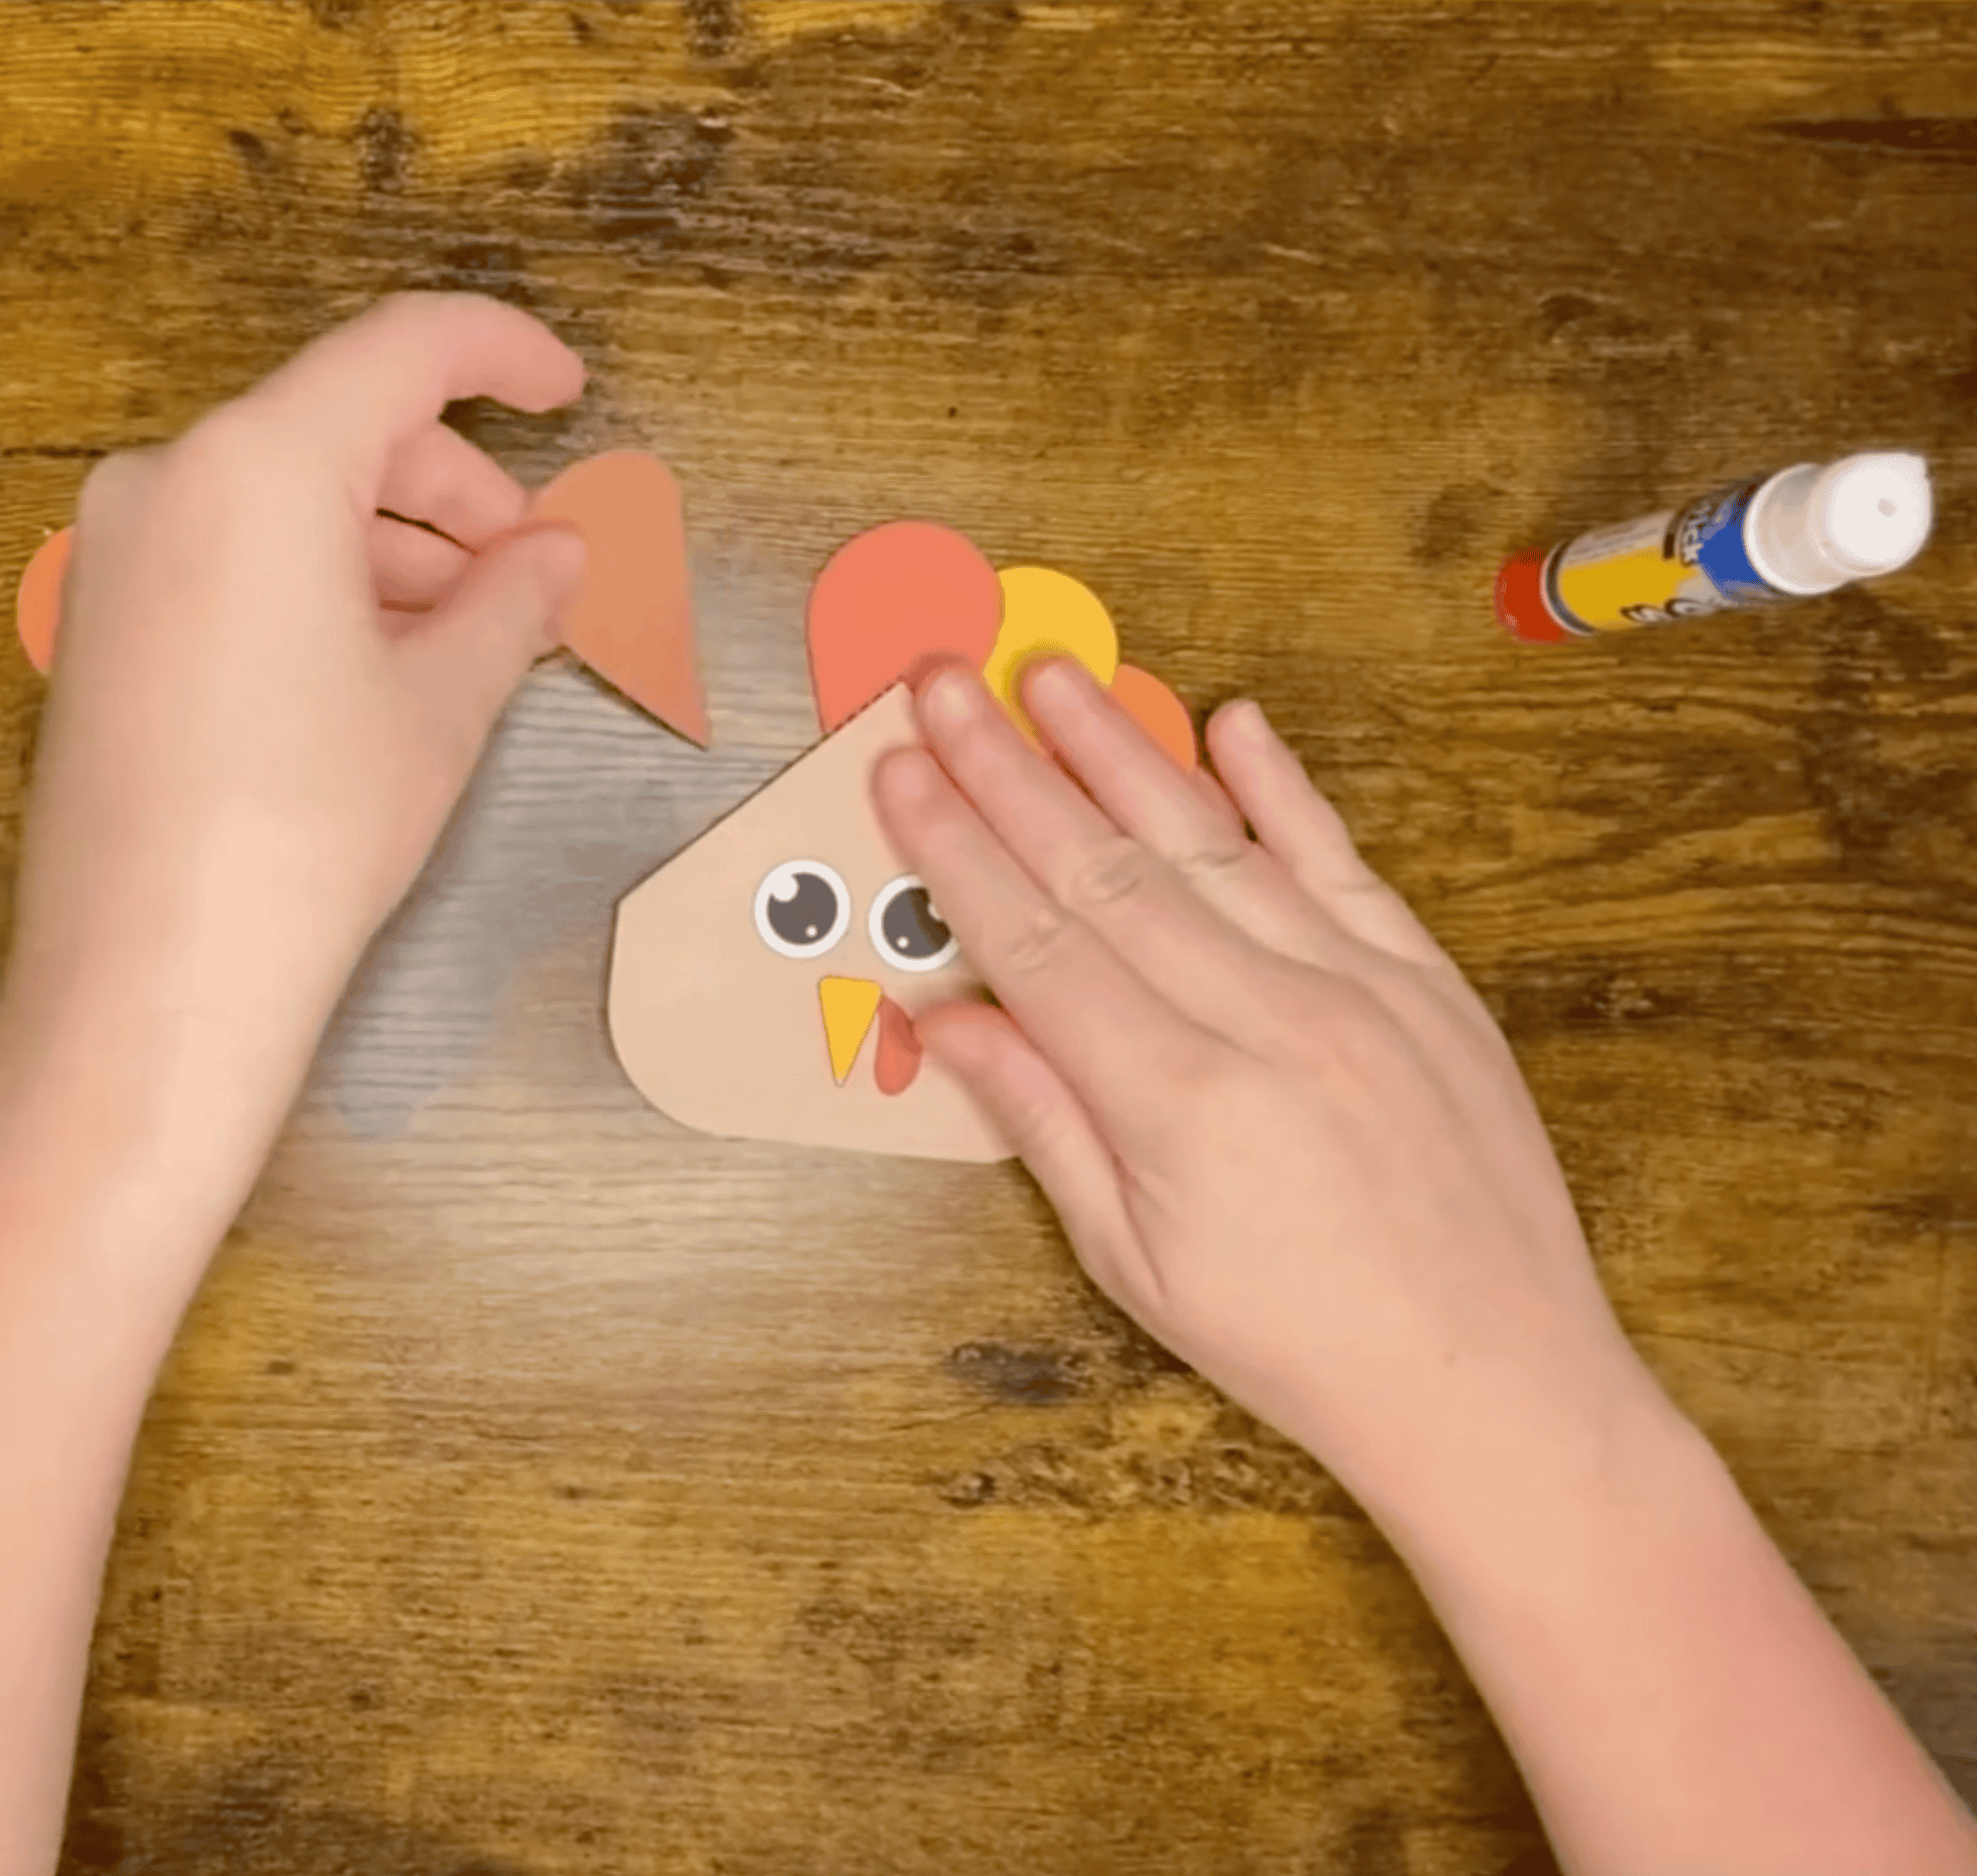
(1046, 611)
(1157, 711)
(890, 600)
(38, 605)
(632, 619)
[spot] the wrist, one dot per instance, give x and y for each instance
(1499, 1436)
(1553, 1472)
(124, 1154)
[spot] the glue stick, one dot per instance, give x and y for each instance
(1807, 529)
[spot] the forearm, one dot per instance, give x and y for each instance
(71, 1391)
(101, 1245)
(1675, 1697)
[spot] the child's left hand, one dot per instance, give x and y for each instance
(266, 701)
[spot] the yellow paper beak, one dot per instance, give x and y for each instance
(850, 1004)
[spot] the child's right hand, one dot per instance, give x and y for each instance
(1283, 1134)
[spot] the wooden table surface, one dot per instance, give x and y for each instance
(539, 1487)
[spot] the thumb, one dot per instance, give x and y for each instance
(1047, 1124)
(468, 655)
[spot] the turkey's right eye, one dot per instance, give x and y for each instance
(803, 908)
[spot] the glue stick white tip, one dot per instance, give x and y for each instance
(1815, 527)
(1876, 512)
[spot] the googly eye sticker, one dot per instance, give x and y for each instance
(803, 908)
(906, 930)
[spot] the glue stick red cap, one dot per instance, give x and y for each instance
(1805, 531)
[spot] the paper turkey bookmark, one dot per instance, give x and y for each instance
(765, 981)
(631, 620)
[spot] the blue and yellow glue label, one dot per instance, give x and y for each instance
(1679, 564)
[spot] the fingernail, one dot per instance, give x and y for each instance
(908, 776)
(953, 699)
(1053, 680)
(923, 672)
(561, 557)
(1247, 719)
(957, 1041)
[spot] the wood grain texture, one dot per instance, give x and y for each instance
(540, 1488)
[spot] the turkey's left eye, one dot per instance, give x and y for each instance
(908, 931)
(803, 908)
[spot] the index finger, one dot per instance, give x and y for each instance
(361, 388)
(1124, 1050)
